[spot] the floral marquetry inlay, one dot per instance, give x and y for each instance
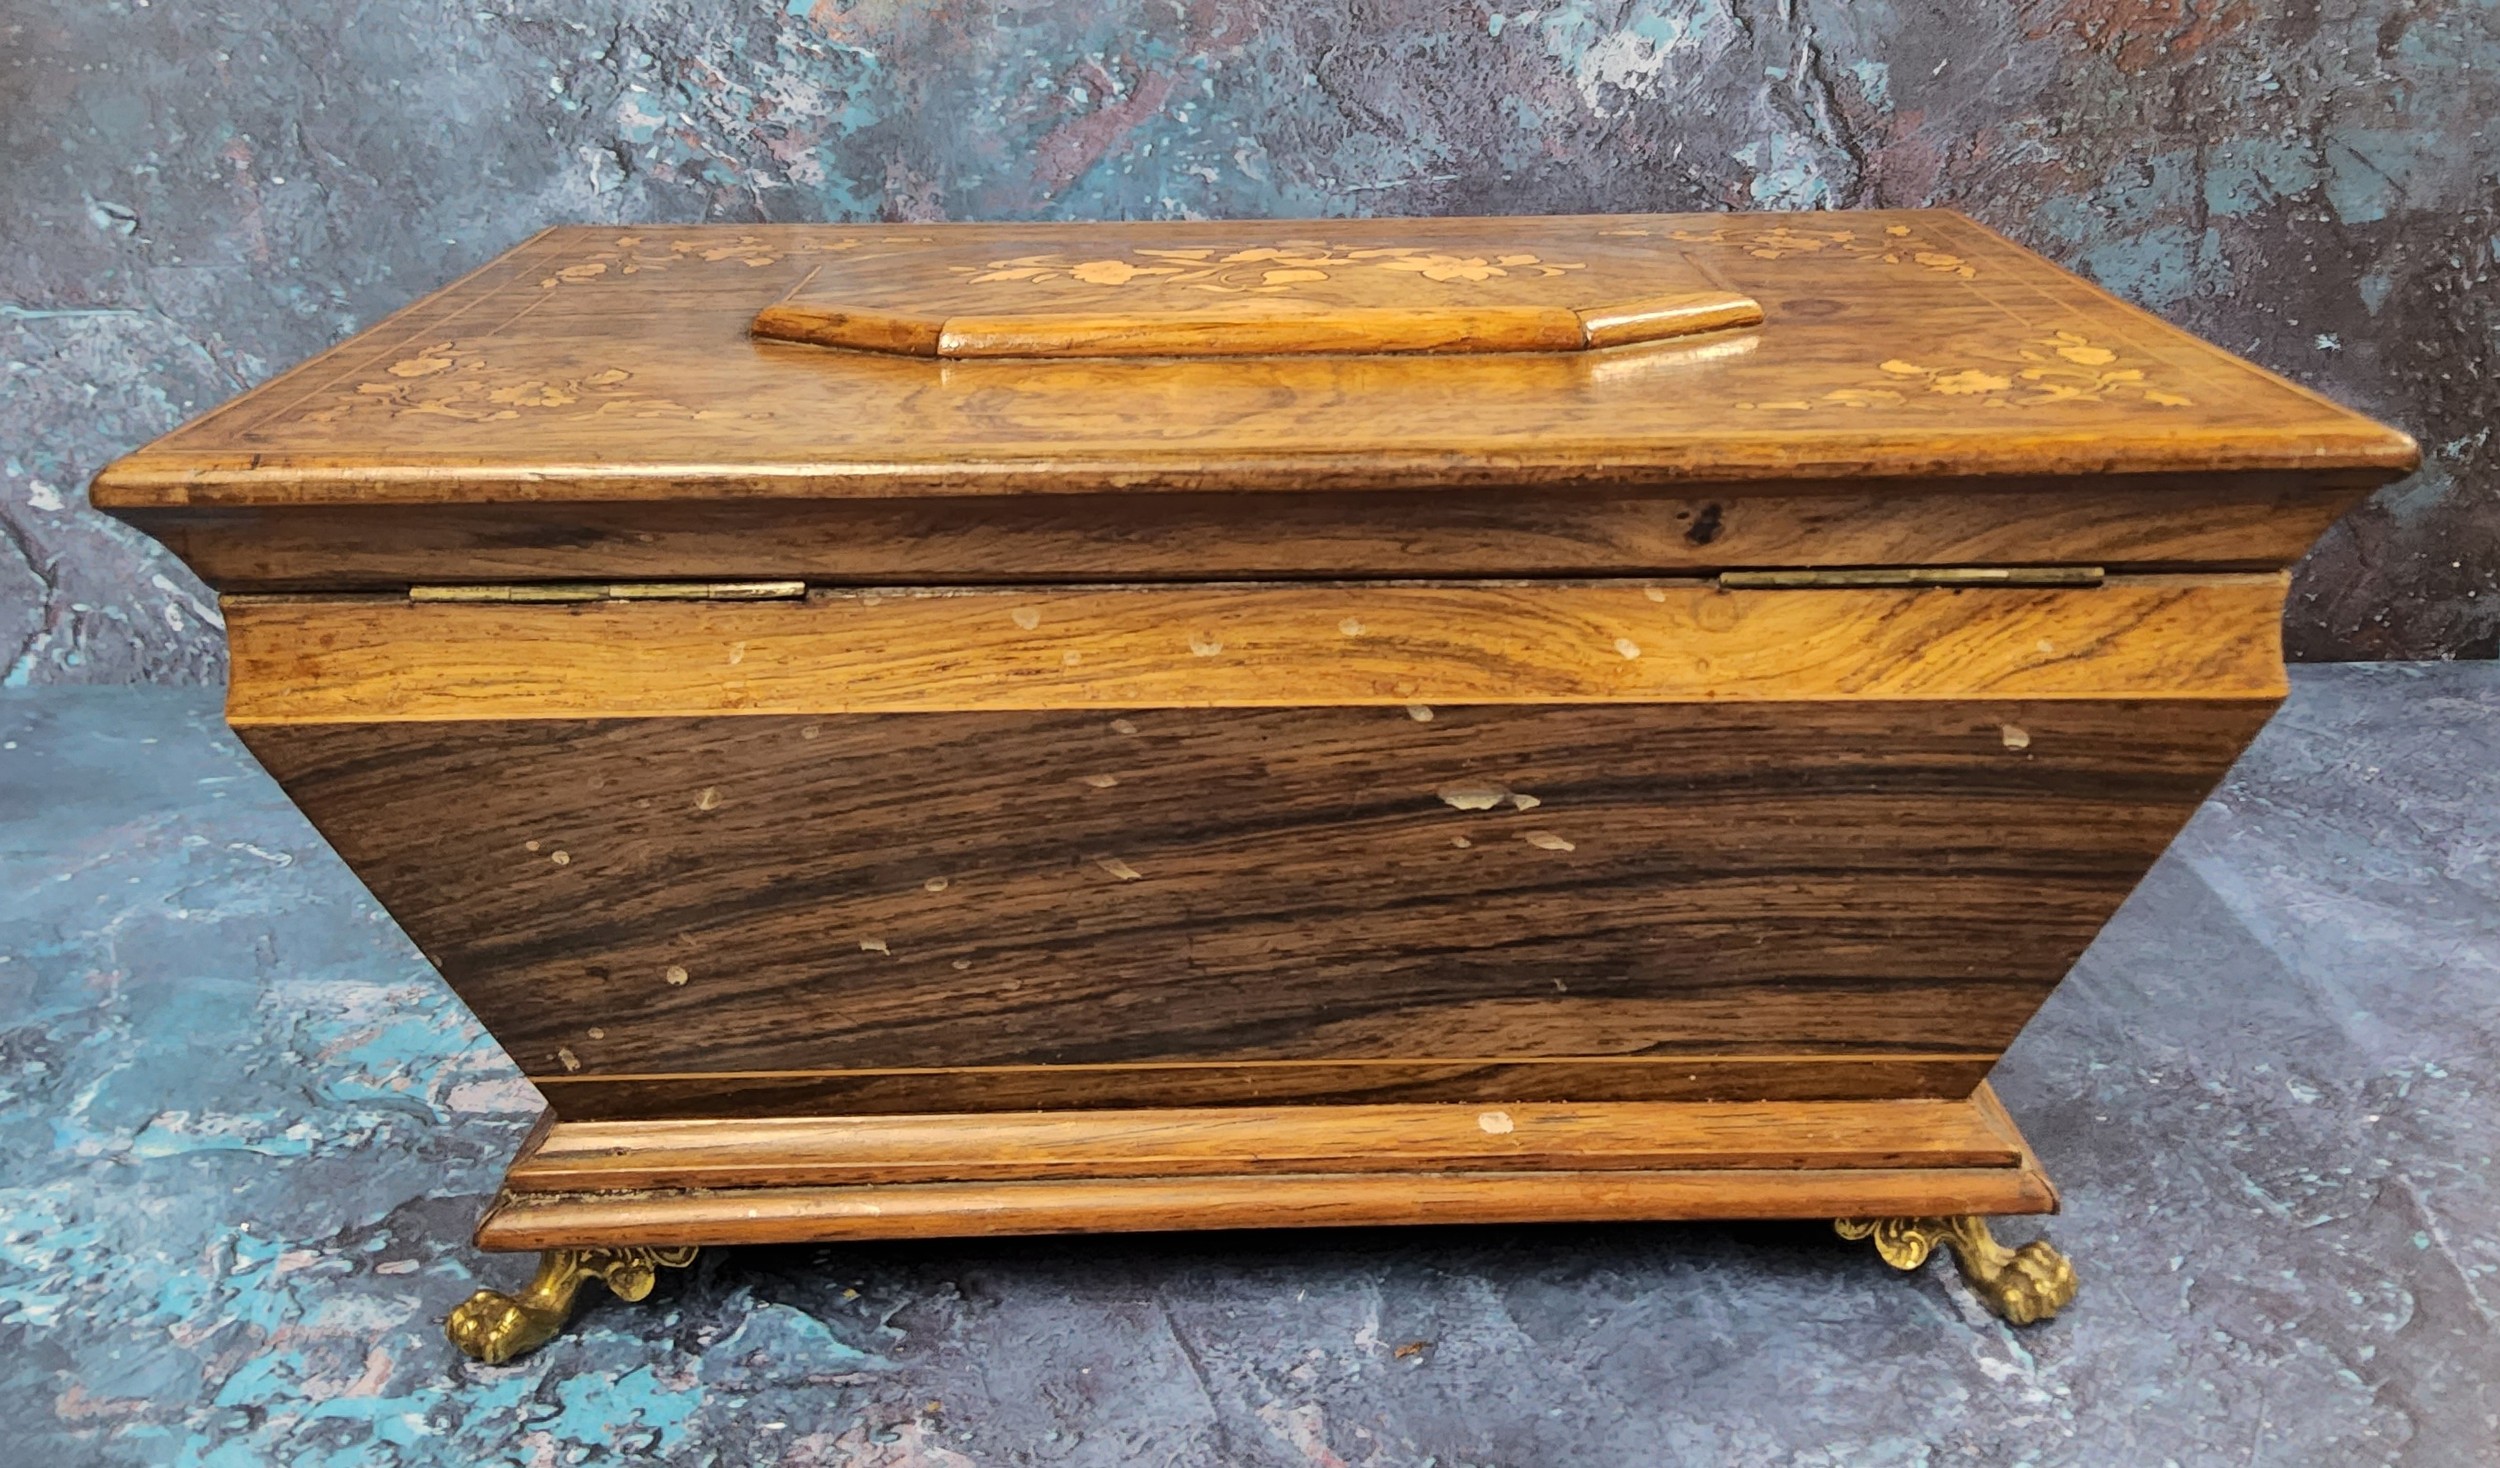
(634, 254)
(448, 381)
(1895, 244)
(2063, 367)
(1263, 269)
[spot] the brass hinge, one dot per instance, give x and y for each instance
(1912, 576)
(580, 591)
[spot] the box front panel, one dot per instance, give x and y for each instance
(1128, 846)
(660, 915)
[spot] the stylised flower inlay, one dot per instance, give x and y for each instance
(2063, 367)
(447, 380)
(1259, 269)
(1898, 244)
(634, 254)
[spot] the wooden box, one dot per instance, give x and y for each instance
(993, 728)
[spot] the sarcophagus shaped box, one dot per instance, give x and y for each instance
(971, 729)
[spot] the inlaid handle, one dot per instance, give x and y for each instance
(1326, 331)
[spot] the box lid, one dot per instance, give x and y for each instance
(597, 366)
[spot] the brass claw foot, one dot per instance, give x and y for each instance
(495, 1327)
(2031, 1283)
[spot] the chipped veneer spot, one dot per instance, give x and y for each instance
(935, 884)
(1485, 797)
(1099, 782)
(709, 799)
(2014, 736)
(1496, 1123)
(676, 975)
(1122, 726)
(1547, 841)
(875, 945)
(1420, 713)
(1027, 618)
(1117, 868)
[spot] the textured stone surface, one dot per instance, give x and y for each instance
(245, 1134)
(192, 197)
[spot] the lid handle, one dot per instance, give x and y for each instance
(1331, 331)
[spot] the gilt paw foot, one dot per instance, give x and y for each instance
(493, 1327)
(2023, 1285)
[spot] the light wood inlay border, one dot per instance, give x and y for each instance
(1669, 1062)
(1023, 1146)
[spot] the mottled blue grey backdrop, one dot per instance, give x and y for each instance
(194, 196)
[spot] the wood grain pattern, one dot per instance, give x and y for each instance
(834, 1151)
(782, 913)
(2208, 523)
(1377, 645)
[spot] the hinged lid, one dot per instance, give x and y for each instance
(1280, 289)
(595, 407)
